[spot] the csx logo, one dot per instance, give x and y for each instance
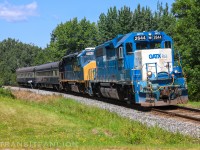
(157, 56)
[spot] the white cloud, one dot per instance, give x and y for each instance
(14, 13)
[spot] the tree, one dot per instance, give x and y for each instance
(141, 19)
(72, 36)
(88, 34)
(124, 21)
(15, 54)
(165, 20)
(187, 37)
(108, 25)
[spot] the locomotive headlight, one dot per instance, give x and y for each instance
(149, 74)
(150, 36)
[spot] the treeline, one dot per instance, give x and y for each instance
(182, 23)
(187, 40)
(15, 54)
(141, 19)
(75, 35)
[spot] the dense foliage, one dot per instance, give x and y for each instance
(6, 93)
(182, 23)
(72, 36)
(141, 19)
(187, 40)
(15, 54)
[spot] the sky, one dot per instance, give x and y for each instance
(32, 21)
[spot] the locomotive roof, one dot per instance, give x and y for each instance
(83, 52)
(71, 55)
(47, 66)
(123, 40)
(25, 69)
(78, 54)
(120, 39)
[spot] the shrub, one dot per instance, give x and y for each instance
(6, 93)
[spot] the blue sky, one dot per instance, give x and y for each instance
(32, 21)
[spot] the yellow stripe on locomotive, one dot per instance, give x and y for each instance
(88, 70)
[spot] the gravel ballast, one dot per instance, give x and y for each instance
(169, 124)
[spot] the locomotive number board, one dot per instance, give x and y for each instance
(157, 37)
(140, 38)
(143, 37)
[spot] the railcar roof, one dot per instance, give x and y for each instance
(47, 66)
(71, 55)
(26, 69)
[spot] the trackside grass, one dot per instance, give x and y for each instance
(192, 104)
(54, 122)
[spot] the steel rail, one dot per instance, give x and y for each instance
(178, 114)
(188, 108)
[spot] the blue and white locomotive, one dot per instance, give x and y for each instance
(139, 68)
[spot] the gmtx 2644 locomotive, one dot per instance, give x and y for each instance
(140, 68)
(137, 67)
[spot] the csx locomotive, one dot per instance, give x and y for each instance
(137, 67)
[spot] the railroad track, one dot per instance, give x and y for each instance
(180, 111)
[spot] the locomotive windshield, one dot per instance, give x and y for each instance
(152, 45)
(89, 56)
(148, 45)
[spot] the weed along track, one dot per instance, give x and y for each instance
(171, 124)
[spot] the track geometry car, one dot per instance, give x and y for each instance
(137, 67)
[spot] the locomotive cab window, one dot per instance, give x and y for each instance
(155, 45)
(168, 44)
(120, 52)
(99, 52)
(140, 46)
(87, 58)
(129, 50)
(110, 53)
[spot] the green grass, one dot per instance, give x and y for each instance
(65, 123)
(6, 92)
(192, 104)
